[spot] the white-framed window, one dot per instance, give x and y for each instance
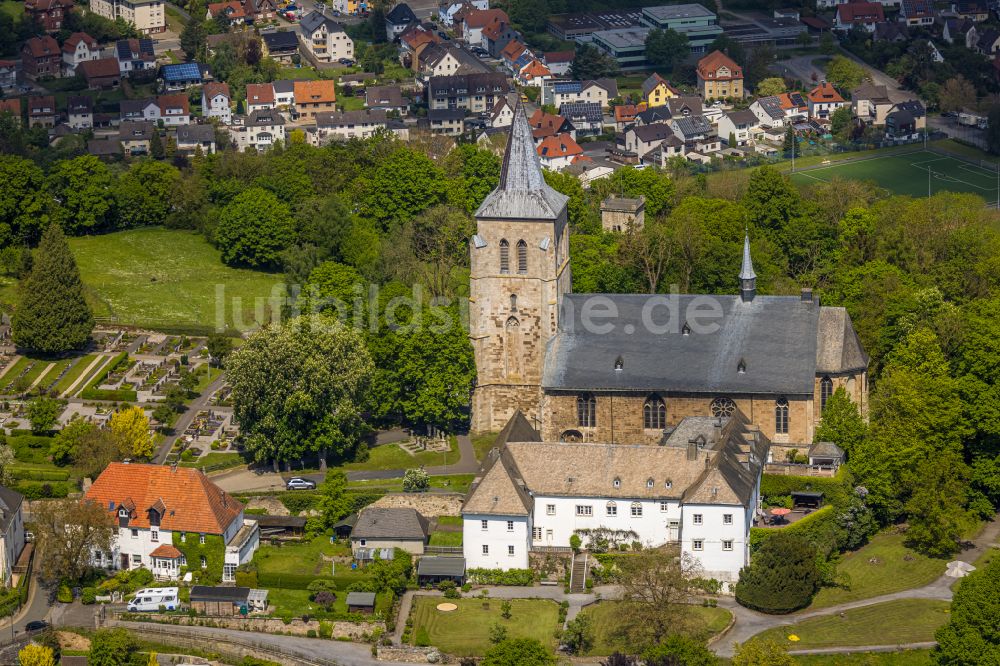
(636, 509)
(154, 536)
(137, 560)
(486, 549)
(696, 519)
(697, 544)
(98, 557)
(664, 506)
(727, 519)
(204, 562)
(510, 525)
(584, 510)
(135, 533)
(727, 544)
(536, 533)
(484, 524)
(612, 509)
(510, 551)
(201, 539)
(550, 509)
(184, 537)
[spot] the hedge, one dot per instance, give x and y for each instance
(117, 395)
(819, 527)
(35, 490)
(299, 501)
(30, 448)
(836, 490)
(31, 474)
(519, 577)
(288, 581)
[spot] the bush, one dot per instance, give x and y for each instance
(782, 577)
(311, 633)
(298, 502)
(416, 481)
(422, 638)
(187, 455)
(325, 599)
(88, 595)
(246, 579)
(325, 630)
(321, 585)
(36, 490)
(64, 595)
(518, 577)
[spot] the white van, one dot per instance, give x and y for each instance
(152, 598)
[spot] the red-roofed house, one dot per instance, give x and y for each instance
(174, 109)
(216, 101)
(260, 96)
(544, 125)
(823, 101)
(50, 13)
(559, 151)
(509, 54)
(533, 74)
(719, 77)
(42, 111)
(40, 57)
(178, 507)
(558, 62)
(476, 20)
(233, 11)
(11, 106)
(100, 74)
(863, 14)
(80, 47)
(625, 115)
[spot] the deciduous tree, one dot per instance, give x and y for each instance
(254, 229)
(655, 590)
(334, 503)
(592, 63)
(111, 647)
(43, 412)
(130, 428)
(970, 637)
(956, 94)
(68, 532)
(842, 423)
(518, 652)
(36, 655)
(774, 85)
(83, 190)
(666, 49)
(844, 73)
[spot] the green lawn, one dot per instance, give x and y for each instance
(446, 539)
(465, 632)
(53, 372)
(91, 376)
(300, 73)
(168, 280)
(450, 520)
(901, 658)
(482, 443)
(218, 460)
(908, 174)
(891, 623)
(458, 483)
(884, 565)
(299, 558)
(351, 103)
(206, 375)
(175, 21)
(704, 623)
(391, 456)
(297, 602)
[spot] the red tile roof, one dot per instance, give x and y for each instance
(513, 50)
(315, 92)
(824, 93)
(559, 145)
(231, 9)
(167, 551)
(99, 69)
(545, 124)
(860, 12)
(192, 503)
(42, 106)
(480, 18)
(69, 46)
(551, 57)
(39, 47)
(709, 66)
(214, 88)
(625, 113)
(260, 93)
(534, 69)
(12, 105)
(178, 101)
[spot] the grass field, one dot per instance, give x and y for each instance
(908, 174)
(224, 460)
(901, 658)
(453, 539)
(884, 565)
(298, 558)
(458, 483)
(704, 623)
(891, 623)
(168, 280)
(482, 444)
(391, 456)
(465, 632)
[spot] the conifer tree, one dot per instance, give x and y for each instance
(52, 315)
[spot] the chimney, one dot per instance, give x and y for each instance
(692, 451)
(807, 295)
(708, 462)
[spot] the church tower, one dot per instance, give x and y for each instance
(519, 272)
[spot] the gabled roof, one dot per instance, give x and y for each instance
(546, 124)
(522, 193)
(792, 100)
(260, 93)
(214, 89)
(654, 115)
(498, 490)
(559, 145)
(860, 12)
(914, 107)
(650, 133)
(653, 81)
(167, 551)
(590, 111)
(825, 93)
(744, 117)
(534, 69)
(344, 118)
(40, 47)
(262, 117)
(315, 92)
(282, 40)
(609, 85)
(693, 126)
(625, 113)
(12, 106)
(400, 14)
(390, 523)
(195, 133)
(129, 49)
(553, 57)
(69, 46)
(383, 96)
(839, 348)
(314, 20)
(178, 101)
(41, 105)
(193, 503)
(481, 18)
(128, 107)
(687, 105)
(97, 69)
(917, 9)
(709, 65)
(10, 504)
(232, 9)
(79, 104)
(514, 48)
(771, 106)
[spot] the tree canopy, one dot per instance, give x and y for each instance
(970, 637)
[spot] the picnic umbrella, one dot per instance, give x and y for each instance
(780, 511)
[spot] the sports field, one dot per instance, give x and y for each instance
(908, 174)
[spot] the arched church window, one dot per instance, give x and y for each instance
(586, 411)
(825, 391)
(781, 416)
(654, 413)
(513, 302)
(504, 256)
(723, 407)
(522, 257)
(571, 436)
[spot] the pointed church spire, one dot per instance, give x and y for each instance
(522, 193)
(748, 279)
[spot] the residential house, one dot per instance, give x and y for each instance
(216, 102)
(558, 152)
(397, 20)
(794, 105)
(474, 22)
(50, 14)
(102, 74)
(311, 97)
(768, 112)
(345, 125)
(325, 39)
(79, 47)
(42, 111)
(108, 148)
(736, 127)
(192, 138)
(916, 13)
(585, 117)
(449, 59)
(11, 532)
(656, 90)
(135, 55)
(497, 35)
(719, 77)
(652, 116)
(915, 109)
(960, 31)
(147, 16)
(165, 515)
(477, 93)
(281, 46)
(684, 107)
(174, 109)
(183, 75)
(258, 130)
(414, 42)
(386, 98)
(41, 57)
(80, 112)
(389, 528)
(864, 15)
(260, 96)
(973, 10)
(502, 114)
(988, 42)
(704, 498)
(625, 116)
(544, 125)
(661, 155)
(139, 109)
(641, 139)
(11, 105)
(870, 103)
(691, 130)
(8, 74)
(559, 92)
(901, 125)
(284, 93)
(450, 122)
(823, 101)
(559, 62)
(512, 52)
(231, 11)
(891, 31)
(351, 7)
(533, 74)
(448, 9)
(258, 11)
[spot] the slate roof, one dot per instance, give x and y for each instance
(839, 348)
(589, 111)
(262, 117)
(193, 503)
(654, 115)
(366, 599)
(693, 126)
(400, 14)
(390, 523)
(870, 91)
(771, 106)
(743, 117)
(359, 117)
(283, 40)
(79, 104)
(610, 85)
(441, 566)
(312, 22)
(652, 81)
(495, 491)
(466, 84)
(10, 503)
(195, 133)
(825, 449)
(654, 132)
(39, 47)
(685, 105)
(207, 593)
(522, 193)
(385, 96)
(914, 107)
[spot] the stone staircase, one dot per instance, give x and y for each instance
(578, 576)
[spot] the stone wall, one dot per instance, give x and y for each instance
(551, 566)
(428, 504)
(260, 625)
(412, 655)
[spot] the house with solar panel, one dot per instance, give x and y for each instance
(135, 55)
(560, 91)
(182, 76)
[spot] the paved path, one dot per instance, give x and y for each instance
(750, 623)
(185, 419)
(867, 648)
(84, 375)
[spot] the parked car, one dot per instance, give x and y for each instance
(36, 625)
(298, 483)
(346, 61)
(152, 598)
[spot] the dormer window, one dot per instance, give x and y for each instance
(685, 329)
(123, 513)
(619, 363)
(617, 482)
(649, 484)
(741, 367)
(668, 484)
